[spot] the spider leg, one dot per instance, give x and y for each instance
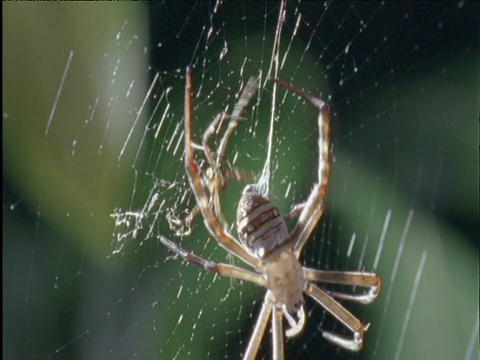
(215, 183)
(212, 177)
(221, 178)
(215, 178)
(245, 175)
(352, 278)
(314, 207)
(223, 238)
(343, 315)
(245, 97)
(214, 174)
(219, 268)
(269, 303)
(277, 333)
(260, 326)
(212, 128)
(295, 212)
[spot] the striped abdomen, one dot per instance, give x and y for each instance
(260, 225)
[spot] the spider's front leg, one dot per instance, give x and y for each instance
(218, 172)
(211, 222)
(218, 177)
(212, 180)
(312, 209)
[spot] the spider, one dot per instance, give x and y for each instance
(273, 253)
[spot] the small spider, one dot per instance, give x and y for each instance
(273, 253)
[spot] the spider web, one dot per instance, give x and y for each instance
(93, 166)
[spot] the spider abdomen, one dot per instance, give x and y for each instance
(260, 225)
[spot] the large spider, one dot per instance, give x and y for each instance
(273, 253)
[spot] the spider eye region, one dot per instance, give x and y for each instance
(260, 225)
